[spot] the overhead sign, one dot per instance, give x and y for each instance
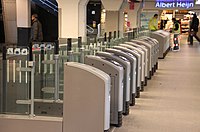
(174, 3)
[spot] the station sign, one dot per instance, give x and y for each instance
(174, 4)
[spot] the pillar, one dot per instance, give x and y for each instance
(112, 14)
(133, 17)
(23, 9)
(72, 18)
(9, 17)
(112, 21)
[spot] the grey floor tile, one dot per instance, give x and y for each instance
(171, 101)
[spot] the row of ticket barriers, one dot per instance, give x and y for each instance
(122, 70)
(85, 89)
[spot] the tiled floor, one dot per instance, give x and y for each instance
(171, 101)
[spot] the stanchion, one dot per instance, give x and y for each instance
(4, 80)
(115, 34)
(79, 42)
(109, 39)
(69, 49)
(105, 37)
(57, 72)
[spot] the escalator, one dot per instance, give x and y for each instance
(47, 11)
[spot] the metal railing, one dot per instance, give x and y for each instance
(41, 70)
(89, 29)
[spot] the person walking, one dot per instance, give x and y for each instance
(153, 23)
(36, 29)
(176, 33)
(194, 29)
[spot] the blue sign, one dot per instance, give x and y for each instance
(174, 3)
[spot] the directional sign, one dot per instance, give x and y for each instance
(17, 51)
(42, 46)
(10, 51)
(49, 47)
(35, 46)
(24, 51)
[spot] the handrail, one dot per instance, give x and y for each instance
(89, 29)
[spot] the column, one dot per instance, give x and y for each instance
(72, 18)
(23, 9)
(112, 21)
(112, 14)
(9, 17)
(133, 17)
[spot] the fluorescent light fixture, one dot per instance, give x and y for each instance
(93, 12)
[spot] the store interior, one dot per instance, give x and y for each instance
(182, 16)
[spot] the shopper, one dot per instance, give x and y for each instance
(176, 33)
(36, 29)
(153, 23)
(194, 29)
(176, 26)
(162, 26)
(190, 21)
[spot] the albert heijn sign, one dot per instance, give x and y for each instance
(174, 4)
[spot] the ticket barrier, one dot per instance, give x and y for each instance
(142, 62)
(164, 42)
(127, 68)
(91, 95)
(143, 48)
(116, 72)
(133, 62)
(138, 66)
(151, 54)
(155, 43)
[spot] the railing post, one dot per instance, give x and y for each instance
(105, 37)
(69, 49)
(79, 42)
(4, 80)
(82, 56)
(115, 34)
(109, 39)
(57, 72)
(69, 44)
(31, 65)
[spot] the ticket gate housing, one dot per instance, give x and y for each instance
(138, 66)
(155, 44)
(150, 55)
(126, 66)
(164, 43)
(143, 48)
(142, 62)
(116, 72)
(133, 62)
(87, 91)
